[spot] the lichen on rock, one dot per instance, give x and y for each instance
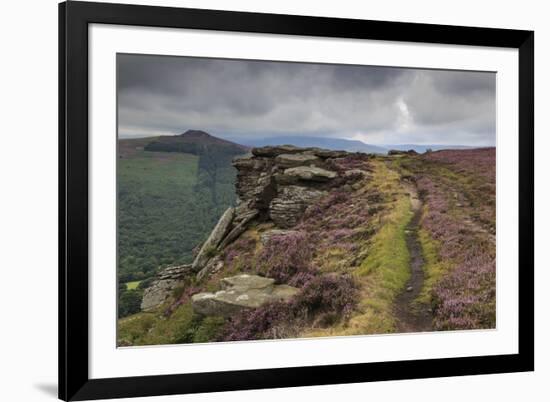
(239, 293)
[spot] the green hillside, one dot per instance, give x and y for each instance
(168, 201)
(156, 202)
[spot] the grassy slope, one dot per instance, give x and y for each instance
(155, 328)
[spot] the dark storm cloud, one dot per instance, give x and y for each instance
(168, 95)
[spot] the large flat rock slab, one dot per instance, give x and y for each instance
(239, 293)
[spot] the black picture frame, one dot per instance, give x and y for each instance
(74, 18)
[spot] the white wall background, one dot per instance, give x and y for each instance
(28, 199)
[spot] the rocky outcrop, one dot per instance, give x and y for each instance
(278, 183)
(239, 293)
(163, 285)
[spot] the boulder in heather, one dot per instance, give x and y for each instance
(239, 293)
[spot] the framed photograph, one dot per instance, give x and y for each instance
(258, 201)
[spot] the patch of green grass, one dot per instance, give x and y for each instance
(153, 328)
(385, 270)
(334, 259)
(183, 326)
(132, 285)
(132, 329)
(210, 251)
(389, 256)
(434, 266)
(208, 329)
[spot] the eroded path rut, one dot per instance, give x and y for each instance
(412, 317)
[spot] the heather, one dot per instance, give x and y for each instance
(468, 177)
(458, 237)
(466, 299)
(240, 255)
(286, 258)
(479, 161)
(322, 301)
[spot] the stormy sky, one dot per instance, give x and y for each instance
(161, 95)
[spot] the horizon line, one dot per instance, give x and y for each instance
(230, 138)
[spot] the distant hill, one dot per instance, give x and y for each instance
(341, 144)
(320, 142)
(423, 148)
(194, 142)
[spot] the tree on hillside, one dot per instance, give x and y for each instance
(129, 302)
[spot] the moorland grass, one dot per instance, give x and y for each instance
(385, 270)
(153, 328)
(434, 266)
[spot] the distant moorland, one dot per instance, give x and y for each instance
(341, 144)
